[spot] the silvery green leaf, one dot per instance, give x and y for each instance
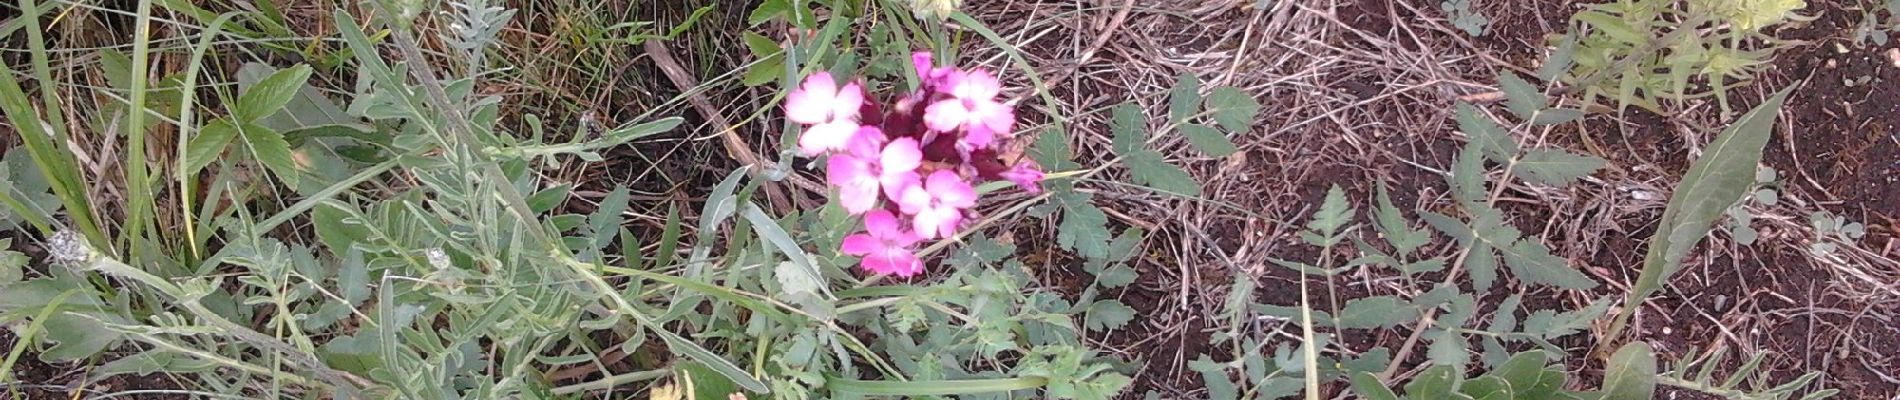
(1467, 177)
(1487, 388)
(1108, 315)
(1333, 213)
(1209, 141)
(1533, 263)
(1555, 167)
(1495, 142)
(1437, 382)
(1523, 98)
(1559, 61)
(1152, 170)
(1130, 128)
(1483, 264)
(1447, 349)
(1369, 387)
(1548, 324)
(1375, 312)
(1083, 228)
(1233, 108)
(1630, 373)
(1185, 99)
(1116, 276)
(1556, 116)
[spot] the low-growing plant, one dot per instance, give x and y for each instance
(1637, 52)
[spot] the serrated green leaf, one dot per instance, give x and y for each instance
(1209, 141)
(1369, 387)
(1375, 312)
(1533, 263)
(1151, 170)
(1333, 213)
(1493, 140)
(1555, 167)
(1214, 377)
(12, 263)
(1392, 224)
(271, 94)
(1233, 108)
(1452, 227)
(1447, 349)
(1551, 325)
(1108, 315)
(1116, 276)
(1523, 98)
(208, 144)
(1556, 116)
(1482, 262)
(1083, 229)
(1630, 374)
(1559, 61)
(1528, 376)
(1130, 128)
(1185, 99)
(270, 149)
(1467, 177)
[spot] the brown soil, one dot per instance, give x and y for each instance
(39, 380)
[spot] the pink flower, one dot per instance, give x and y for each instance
(973, 107)
(884, 247)
(1026, 174)
(871, 167)
(937, 204)
(831, 111)
(927, 71)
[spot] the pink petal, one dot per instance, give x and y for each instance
(913, 199)
(902, 262)
(882, 225)
(867, 142)
(997, 117)
(937, 222)
(800, 107)
(830, 136)
(850, 99)
(922, 62)
(975, 85)
(1026, 174)
(859, 196)
(895, 183)
(950, 189)
(902, 155)
(946, 115)
(859, 244)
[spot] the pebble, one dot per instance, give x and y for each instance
(1894, 54)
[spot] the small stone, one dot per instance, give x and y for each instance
(1894, 54)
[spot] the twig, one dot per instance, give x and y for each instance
(735, 146)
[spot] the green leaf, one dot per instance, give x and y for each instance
(1130, 128)
(1392, 224)
(1233, 108)
(1533, 263)
(1483, 263)
(1630, 373)
(12, 263)
(1052, 151)
(1523, 98)
(1615, 27)
(1116, 276)
(1467, 177)
(1555, 167)
(1447, 349)
(76, 336)
(1525, 372)
(1151, 170)
(1551, 325)
(1214, 377)
(1209, 141)
(1369, 387)
(1375, 312)
(605, 222)
(1083, 229)
(627, 134)
(208, 145)
(1185, 99)
(1488, 388)
(1333, 213)
(1493, 140)
(1108, 315)
(1437, 382)
(1714, 182)
(1554, 116)
(1559, 61)
(932, 388)
(271, 150)
(271, 94)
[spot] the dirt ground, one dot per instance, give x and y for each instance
(1360, 91)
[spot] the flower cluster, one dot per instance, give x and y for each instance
(908, 168)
